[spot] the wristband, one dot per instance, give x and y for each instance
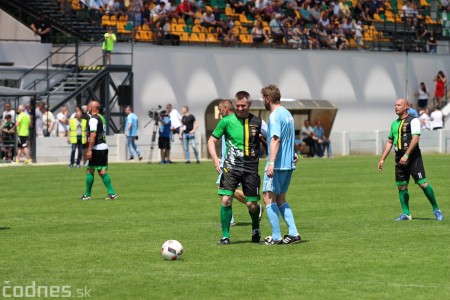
(270, 162)
(406, 155)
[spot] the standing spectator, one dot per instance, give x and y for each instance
(439, 93)
(39, 117)
(9, 111)
(131, 132)
(61, 117)
(175, 120)
(109, 39)
(422, 96)
(424, 118)
(187, 132)
(279, 168)
(7, 137)
(97, 153)
(432, 43)
(23, 131)
(135, 10)
(323, 141)
(437, 119)
(42, 28)
(359, 34)
(164, 138)
(49, 122)
(241, 163)
(77, 137)
(404, 134)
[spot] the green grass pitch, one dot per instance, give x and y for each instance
(343, 207)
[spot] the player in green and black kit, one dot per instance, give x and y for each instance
(241, 130)
(404, 136)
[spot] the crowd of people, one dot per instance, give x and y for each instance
(301, 24)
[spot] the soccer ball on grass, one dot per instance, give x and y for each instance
(172, 250)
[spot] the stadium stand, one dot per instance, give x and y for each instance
(386, 25)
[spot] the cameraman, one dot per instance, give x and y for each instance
(164, 137)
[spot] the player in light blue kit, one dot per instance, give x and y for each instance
(131, 129)
(280, 164)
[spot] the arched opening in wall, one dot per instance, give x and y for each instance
(301, 110)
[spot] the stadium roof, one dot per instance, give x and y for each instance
(7, 91)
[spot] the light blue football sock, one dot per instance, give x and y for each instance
(286, 213)
(274, 218)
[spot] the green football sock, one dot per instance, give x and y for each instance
(255, 218)
(226, 212)
(89, 183)
(107, 182)
(428, 191)
(404, 201)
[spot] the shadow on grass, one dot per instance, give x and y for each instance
(424, 219)
(263, 244)
(4, 228)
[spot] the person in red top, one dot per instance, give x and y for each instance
(184, 10)
(439, 93)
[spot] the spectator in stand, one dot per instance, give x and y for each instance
(226, 34)
(290, 11)
(208, 20)
(336, 8)
(276, 30)
(267, 12)
(184, 10)
(237, 5)
(324, 39)
(42, 28)
(437, 119)
(372, 7)
(439, 93)
(259, 35)
(323, 141)
(313, 38)
(165, 35)
(422, 96)
(200, 4)
(135, 12)
(432, 43)
(325, 21)
(410, 13)
(338, 37)
(62, 121)
(359, 34)
(348, 28)
(344, 10)
(305, 14)
(217, 16)
(9, 111)
(147, 17)
(159, 12)
(424, 118)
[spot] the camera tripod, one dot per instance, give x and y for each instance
(152, 142)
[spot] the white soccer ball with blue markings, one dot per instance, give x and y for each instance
(172, 250)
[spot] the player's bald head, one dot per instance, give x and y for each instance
(402, 101)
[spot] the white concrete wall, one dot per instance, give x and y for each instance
(14, 30)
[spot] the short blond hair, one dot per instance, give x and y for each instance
(273, 92)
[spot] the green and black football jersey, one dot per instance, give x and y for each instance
(402, 131)
(242, 141)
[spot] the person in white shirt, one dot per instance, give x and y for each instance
(62, 121)
(9, 111)
(424, 119)
(437, 119)
(175, 119)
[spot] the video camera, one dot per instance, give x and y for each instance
(155, 113)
